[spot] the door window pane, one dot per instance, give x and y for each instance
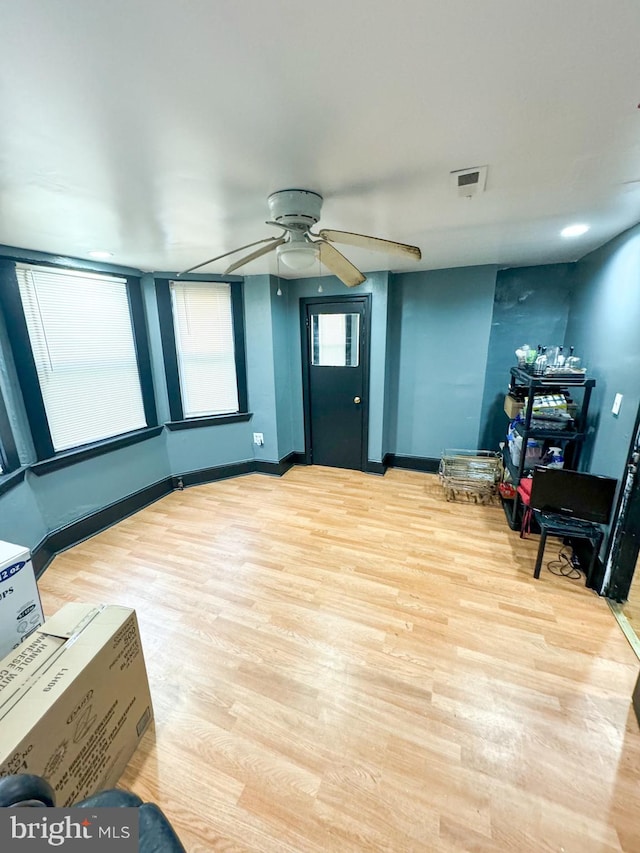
(335, 340)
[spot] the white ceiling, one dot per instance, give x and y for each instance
(157, 128)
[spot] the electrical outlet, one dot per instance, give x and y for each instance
(258, 438)
(617, 402)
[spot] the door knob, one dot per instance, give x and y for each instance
(357, 400)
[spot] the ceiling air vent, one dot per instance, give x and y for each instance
(469, 182)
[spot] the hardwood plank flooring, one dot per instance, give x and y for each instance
(345, 662)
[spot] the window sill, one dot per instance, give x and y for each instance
(211, 420)
(88, 451)
(8, 481)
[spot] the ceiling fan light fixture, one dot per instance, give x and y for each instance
(298, 257)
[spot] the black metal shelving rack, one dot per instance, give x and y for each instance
(571, 440)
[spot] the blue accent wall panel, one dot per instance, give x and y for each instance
(155, 347)
(71, 493)
(531, 306)
(260, 368)
(379, 283)
(604, 324)
(21, 520)
(209, 447)
(441, 335)
(282, 369)
(392, 366)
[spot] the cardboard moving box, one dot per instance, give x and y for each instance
(20, 608)
(74, 700)
(512, 407)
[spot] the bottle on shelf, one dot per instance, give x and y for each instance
(541, 362)
(553, 458)
(572, 362)
(552, 357)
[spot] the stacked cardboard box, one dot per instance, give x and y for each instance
(20, 607)
(74, 700)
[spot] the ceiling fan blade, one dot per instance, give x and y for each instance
(376, 244)
(226, 254)
(278, 241)
(336, 262)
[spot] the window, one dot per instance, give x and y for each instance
(335, 340)
(80, 328)
(203, 343)
(203, 327)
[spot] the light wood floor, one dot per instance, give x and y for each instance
(345, 662)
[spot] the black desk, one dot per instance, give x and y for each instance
(564, 526)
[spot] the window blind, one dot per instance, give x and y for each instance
(203, 325)
(82, 341)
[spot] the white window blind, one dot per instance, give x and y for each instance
(203, 324)
(82, 342)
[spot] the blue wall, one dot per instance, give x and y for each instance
(21, 520)
(260, 368)
(155, 347)
(284, 371)
(604, 326)
(439, 331)
(531, 306)
(81, 489)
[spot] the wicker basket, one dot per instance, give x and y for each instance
(470, 475)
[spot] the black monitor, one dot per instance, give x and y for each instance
(576, 495)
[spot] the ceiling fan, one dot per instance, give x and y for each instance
(295, 212)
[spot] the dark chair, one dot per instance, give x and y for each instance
(156, 833)
(555, 524)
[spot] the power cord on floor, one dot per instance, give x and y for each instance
(566, 565)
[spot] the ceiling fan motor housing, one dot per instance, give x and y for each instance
(295, 207)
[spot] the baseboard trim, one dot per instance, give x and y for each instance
(41, 556)
(376, 467)
(414, 463)
(83, 528)
(281, 467)
(210, 475)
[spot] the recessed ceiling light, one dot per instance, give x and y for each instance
(101, 255)
(574, 230)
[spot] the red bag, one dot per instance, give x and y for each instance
(507, 490)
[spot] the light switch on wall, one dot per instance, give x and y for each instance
(617, 402)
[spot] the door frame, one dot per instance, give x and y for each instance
(624, 539)
(365, 336)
